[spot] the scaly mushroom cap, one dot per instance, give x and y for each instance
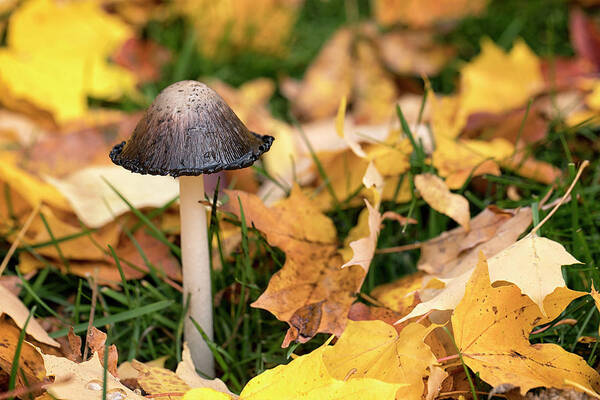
(189, 130)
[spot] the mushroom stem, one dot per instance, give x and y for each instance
(196, 271)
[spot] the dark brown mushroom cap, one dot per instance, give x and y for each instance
(189, 130)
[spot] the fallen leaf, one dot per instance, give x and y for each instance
(90, 194)
(585, 36)
(311, 293)
(418, 13)
(421, 54)
(400, 295)
(31, 368)
(308, 377)
(74, 243)
(96, 341)
(373, 349)
(29, 187)
(133, 264)
(374, 90)
(362, 312)
(206, 394)
(363, 249)
(187, 372)
(495, 81)
(16, 310)
(56, 57)
(596, 297)
(144, 58)
(534, 265)
(492, 230)
(457, 271)
(74, 381)
(491, 330)
(436, 378)
(226, 27)
(435, 192)
(326, 80)
(156, 381)
(72, 349)
(459, 160)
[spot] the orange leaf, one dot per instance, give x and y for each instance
(311, 293)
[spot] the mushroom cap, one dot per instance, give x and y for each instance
(189, 130)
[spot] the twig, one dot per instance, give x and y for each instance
(19, 237)
(562, 200)
(398, 249)
(566, 321)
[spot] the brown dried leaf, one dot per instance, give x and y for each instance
(311, 293)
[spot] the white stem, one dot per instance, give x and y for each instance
(196, 271)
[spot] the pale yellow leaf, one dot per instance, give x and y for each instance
(16, 310)
(435, 192)
(534, 265)
(96, 204)
(82, 381)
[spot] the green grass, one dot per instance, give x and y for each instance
(145, 318)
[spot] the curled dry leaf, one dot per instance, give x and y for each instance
(492, 230)
(457, 267)
(435, 192)
(491, 329)
(363, 249)
(12, 307)
(311, 293)
(96, 341)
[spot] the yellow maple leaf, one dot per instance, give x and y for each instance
(496, 81)
(369, 361)
(307, 377)
(56, 57)
(491, 328)
(373, 349)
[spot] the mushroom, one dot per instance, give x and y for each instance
(188, 131)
